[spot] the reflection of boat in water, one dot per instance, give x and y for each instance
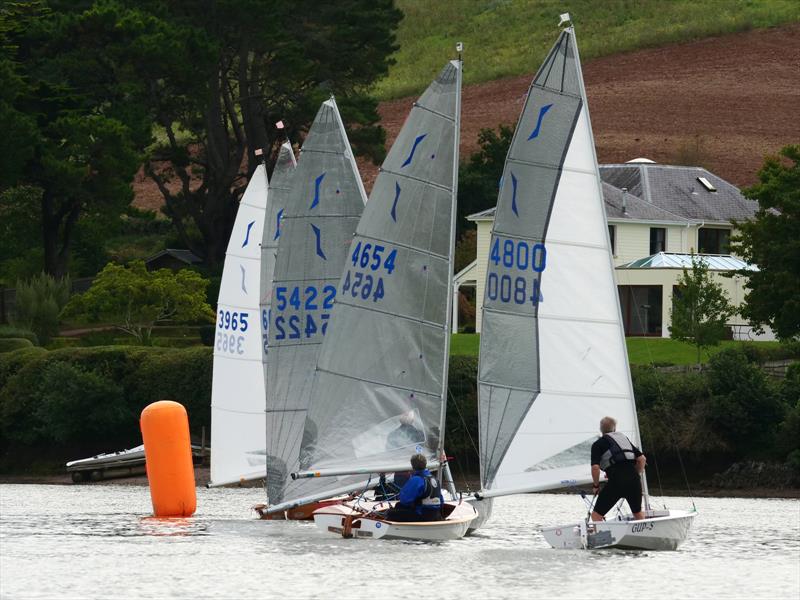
(553, 359)
(113, 465)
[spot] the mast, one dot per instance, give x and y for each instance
(450, 300)
(566, 18)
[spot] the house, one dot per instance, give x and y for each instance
(658, 216)
(173, 259)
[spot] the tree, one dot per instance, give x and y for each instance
(38, 304)
(479, 179)
(79, 129)
(700, 309)
(135, 299)
(218, 75)
(772, 242)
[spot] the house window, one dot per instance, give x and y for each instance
(714, 241)
(612, 238)
(658, 240)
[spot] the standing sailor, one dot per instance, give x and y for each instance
(623, 464)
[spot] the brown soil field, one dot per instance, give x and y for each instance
(722, 102)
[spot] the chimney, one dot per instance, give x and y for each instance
(624, 201)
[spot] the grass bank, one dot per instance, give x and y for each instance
(641, 351)
(503, 38)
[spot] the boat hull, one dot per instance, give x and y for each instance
(484, 509)
(349, 520)
(665, 532)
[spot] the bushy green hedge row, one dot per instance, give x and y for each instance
(89, 400)
(7, 331)
(11, 344)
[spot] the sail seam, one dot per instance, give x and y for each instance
(435, 112)
(508, 387)
(438, 186)
(238, 412)
(578, 319)
(531, 163)
(375, 382)
(433, 324)
(228, 356)
(405, 247)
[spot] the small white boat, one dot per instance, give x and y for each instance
(361, 519)
(661, 530)
(123, 463)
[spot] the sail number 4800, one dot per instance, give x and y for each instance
(522, 254)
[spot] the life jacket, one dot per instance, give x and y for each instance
(620, 450)
(431, 496)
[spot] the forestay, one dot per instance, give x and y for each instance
(237, 390)
(552, 353)
(321, 212)
(380, 383)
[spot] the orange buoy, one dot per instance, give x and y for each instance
(168, 456)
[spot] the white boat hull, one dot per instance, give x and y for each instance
(348, 519)
(484, 509)
(665, 531)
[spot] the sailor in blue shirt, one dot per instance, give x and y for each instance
(421, 496)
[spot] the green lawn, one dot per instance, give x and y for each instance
(641, 351)
(510, 37)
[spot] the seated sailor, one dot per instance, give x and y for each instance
(421, 496)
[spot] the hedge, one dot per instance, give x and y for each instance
(7, 331)
(75, 402)
(11, 344)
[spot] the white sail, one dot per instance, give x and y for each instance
(379, 391)
(237, 391)
(553, 359)
(320, 216)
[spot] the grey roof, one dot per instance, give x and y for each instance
(186, 256)
(677, 190)
(665, 193)
(666, 260)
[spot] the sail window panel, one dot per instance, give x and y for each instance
(398, 355)
(511, 360)
(408, 212)
(501, 410)
(524, 201)
(575, 285)
(577, 214)
(544, 128)
(424, 151)
(357, 433)
(583, 358)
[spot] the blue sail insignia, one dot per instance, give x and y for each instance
(413, 150)
(244, 287)
(542, 113)
(278, 225)
(317, 233)
(247, 235)
(396, 197)
(317, 183)
(514, 193)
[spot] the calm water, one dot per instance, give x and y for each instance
(97, 541)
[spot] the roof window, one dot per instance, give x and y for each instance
(707, 184)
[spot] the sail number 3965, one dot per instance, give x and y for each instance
(231, 321)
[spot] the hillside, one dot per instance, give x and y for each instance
(722, 102)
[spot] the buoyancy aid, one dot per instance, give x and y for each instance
(620, 450)
(431, 495)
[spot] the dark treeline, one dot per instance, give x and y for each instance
(65, 404)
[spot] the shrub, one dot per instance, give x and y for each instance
(7, 331)
(38, 305)
(744, 409)
(11, 344)
(461, 430)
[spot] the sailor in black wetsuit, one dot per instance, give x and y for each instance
(623, 464)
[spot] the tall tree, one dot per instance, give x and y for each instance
(772, 241)
(79, 124)
(219, 73)
(700, 309)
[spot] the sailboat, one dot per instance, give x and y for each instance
(553, 359)
(316, 225)
(382, 369)
(238, 388)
